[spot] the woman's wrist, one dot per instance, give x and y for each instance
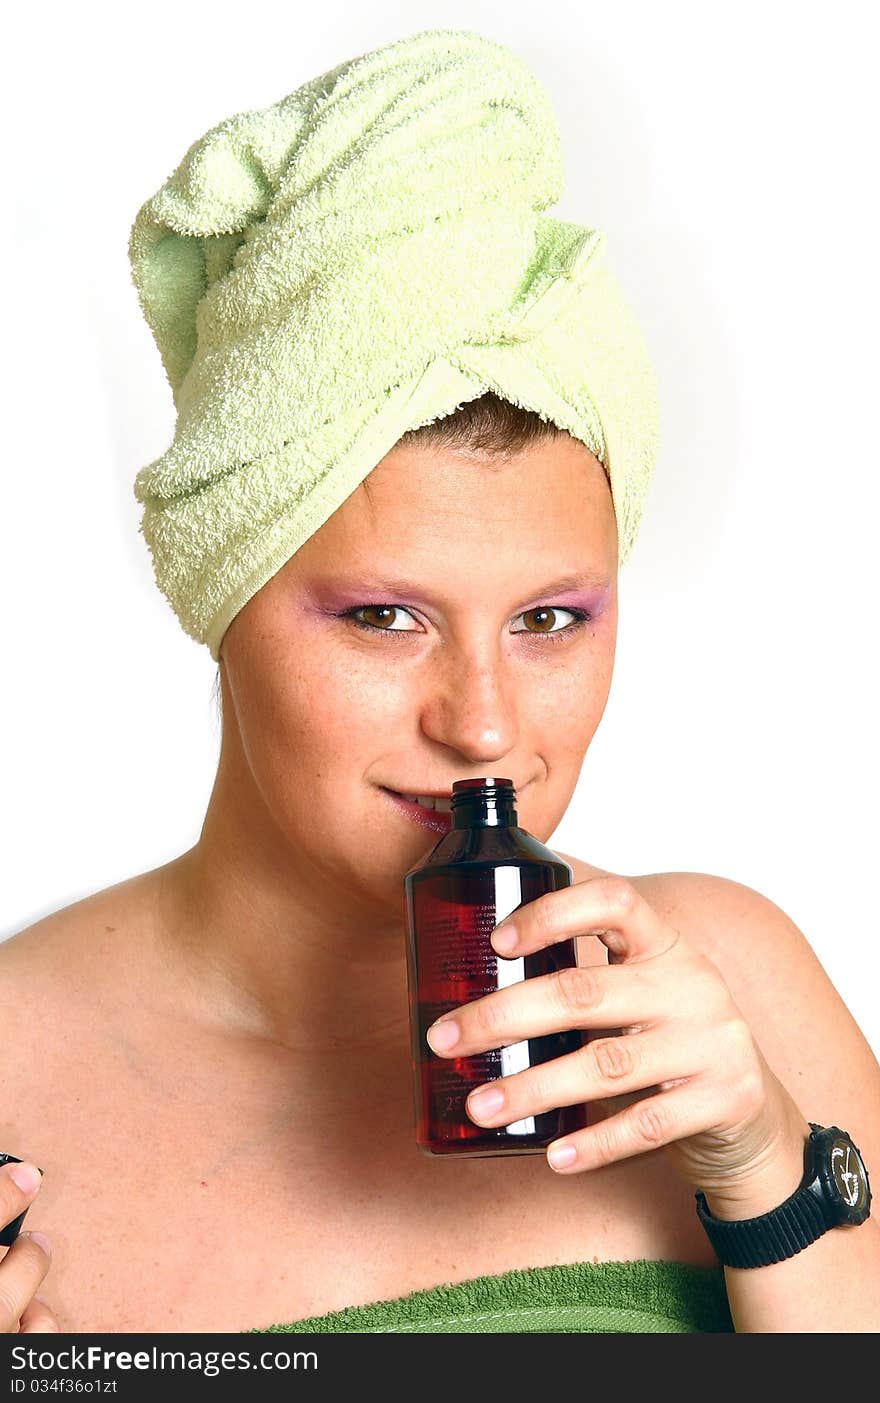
(767, 1185)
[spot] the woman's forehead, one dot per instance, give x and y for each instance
(552, 498)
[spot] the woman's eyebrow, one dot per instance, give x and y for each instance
(583, 579)
(390, 583)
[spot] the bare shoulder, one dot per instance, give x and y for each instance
(46, 982)
(64, 959)
(72, 991)
(122, 898)
(799, 1020)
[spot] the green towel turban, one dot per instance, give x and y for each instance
(356, 260)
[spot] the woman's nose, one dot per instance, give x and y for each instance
(472, 707)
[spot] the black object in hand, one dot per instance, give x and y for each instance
(10, 1231)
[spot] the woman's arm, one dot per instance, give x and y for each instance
(818, 1052)
(831, 1286)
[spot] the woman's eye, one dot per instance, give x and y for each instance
(385, 609)
(546, 616)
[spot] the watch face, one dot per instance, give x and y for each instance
(848, 1175)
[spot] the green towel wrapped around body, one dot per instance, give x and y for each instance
(640, 1297)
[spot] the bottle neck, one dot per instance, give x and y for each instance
(483, 812)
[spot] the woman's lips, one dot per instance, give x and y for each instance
(433, 819)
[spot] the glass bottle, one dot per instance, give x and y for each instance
(478, 873)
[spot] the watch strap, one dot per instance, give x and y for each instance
(770, 1237)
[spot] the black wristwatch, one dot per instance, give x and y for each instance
(834, 1192)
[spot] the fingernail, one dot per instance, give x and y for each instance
(504, 938)
(486, 1101)
(561, 1156)
(41, 1240)
(442, 1035)
(27, 1176)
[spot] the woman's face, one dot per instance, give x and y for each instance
(475, 665)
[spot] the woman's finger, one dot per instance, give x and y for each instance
(652, 1123)
(607, 906)
(589, 996)
(21, 1272)
(38, 1318)
(603, 1068)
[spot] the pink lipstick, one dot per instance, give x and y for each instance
(435, 820)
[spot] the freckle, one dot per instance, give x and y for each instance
(109, 930)
(204, 1183)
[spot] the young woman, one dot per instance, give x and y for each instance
(210, 1061)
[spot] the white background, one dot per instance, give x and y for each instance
(729, 151)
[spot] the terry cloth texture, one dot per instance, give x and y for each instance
(643, 1297)
(358, 259)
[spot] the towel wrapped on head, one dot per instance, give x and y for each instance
(361, 258)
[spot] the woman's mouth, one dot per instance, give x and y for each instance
(437, 820)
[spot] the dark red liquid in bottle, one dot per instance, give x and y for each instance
(476, 875)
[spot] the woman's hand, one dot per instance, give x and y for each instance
(23, 1267)
(725, 1121)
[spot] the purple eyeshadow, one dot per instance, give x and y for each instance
(593, 601)
(333, 599)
